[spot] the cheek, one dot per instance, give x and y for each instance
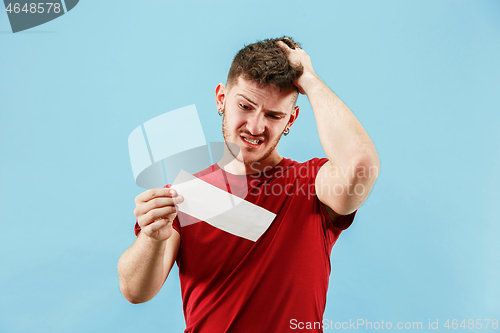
(235, 122)
(277, 129)
(232, 125)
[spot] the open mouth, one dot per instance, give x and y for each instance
(251, 142)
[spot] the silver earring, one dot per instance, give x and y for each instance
(220, 112)
(287, 130)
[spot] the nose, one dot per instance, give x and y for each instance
(256, 123)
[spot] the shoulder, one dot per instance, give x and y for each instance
(307, 169)
(313, 162)
(206, 171)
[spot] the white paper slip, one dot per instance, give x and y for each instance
(220, 208)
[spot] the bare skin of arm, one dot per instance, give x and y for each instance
(344, 182)
(144, 267)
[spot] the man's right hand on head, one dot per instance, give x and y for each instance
(155, 211)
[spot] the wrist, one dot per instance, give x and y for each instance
(308, 82)
(153, 243)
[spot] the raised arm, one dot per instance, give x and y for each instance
(344, 182)
(144, 267)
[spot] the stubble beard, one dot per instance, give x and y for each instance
(235, 154)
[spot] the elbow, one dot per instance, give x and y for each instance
(134, 298)
(360, 185)
(367, 167)
(135, 301)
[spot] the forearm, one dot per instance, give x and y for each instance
(343, 138)
(141, 270)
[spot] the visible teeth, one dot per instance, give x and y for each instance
(251, 141)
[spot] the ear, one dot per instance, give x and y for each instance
(220, 96)
(293, 116)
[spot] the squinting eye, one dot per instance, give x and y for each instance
(243, 106)
(274, 117)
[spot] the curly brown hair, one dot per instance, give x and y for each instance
(265, 62)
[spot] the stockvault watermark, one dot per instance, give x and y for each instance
(25, 15)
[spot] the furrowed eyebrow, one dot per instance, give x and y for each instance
(276, 113)
(248, 99)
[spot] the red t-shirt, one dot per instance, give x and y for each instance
(232, 284)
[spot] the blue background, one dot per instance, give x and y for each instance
(421, 77)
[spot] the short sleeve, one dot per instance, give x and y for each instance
(345, 221)
(137, 228)
(176, 225)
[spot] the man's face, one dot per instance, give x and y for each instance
(255, 118)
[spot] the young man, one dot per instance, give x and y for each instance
(279, 282)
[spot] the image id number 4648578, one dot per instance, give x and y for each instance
(34, 8)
